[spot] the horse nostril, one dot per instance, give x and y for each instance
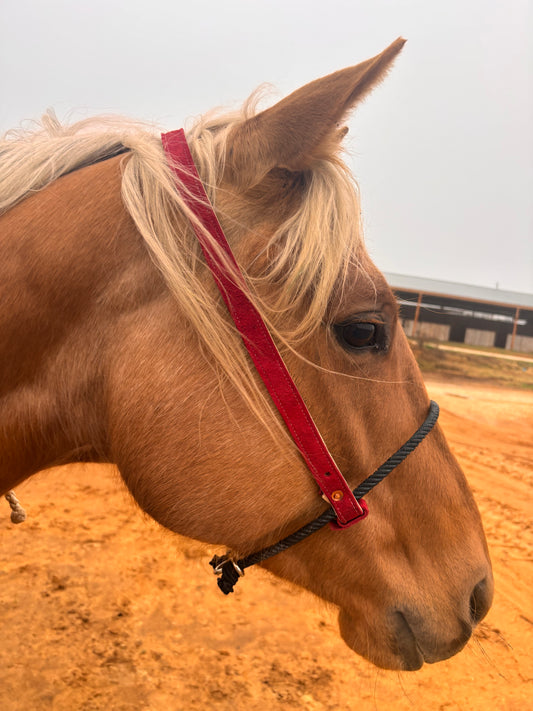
(479, 602)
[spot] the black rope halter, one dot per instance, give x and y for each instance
(230, 570)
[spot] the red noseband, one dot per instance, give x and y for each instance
(256, 336)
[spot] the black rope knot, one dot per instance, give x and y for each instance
(228, 572)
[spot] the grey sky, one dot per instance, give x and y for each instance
(443, 150)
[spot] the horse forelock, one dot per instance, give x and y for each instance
(308, 256)
(310, 252)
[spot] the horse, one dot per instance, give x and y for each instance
(117, 347)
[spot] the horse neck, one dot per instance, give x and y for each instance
(72, 266)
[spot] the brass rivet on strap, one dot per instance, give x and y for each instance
(337, 495)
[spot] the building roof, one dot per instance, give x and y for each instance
(461, 291)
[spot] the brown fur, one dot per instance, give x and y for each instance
(101, 361)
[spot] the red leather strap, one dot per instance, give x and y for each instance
(257, 338)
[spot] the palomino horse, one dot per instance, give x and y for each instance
(117, 347)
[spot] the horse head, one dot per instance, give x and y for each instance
(176, 404)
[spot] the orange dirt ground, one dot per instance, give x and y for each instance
(101, 609)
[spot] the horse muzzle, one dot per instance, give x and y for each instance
(412, 637)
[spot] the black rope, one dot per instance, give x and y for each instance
(230, 571)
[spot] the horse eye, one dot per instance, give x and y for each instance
(357, 334)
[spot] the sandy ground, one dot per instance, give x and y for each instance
(101, 609)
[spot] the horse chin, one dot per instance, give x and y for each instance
(384, 650)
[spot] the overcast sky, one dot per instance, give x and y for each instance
(443, 150)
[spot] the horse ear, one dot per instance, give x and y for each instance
(305, 125)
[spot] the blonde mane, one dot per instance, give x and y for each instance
(310, 253)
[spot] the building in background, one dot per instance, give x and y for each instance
(475, 315)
